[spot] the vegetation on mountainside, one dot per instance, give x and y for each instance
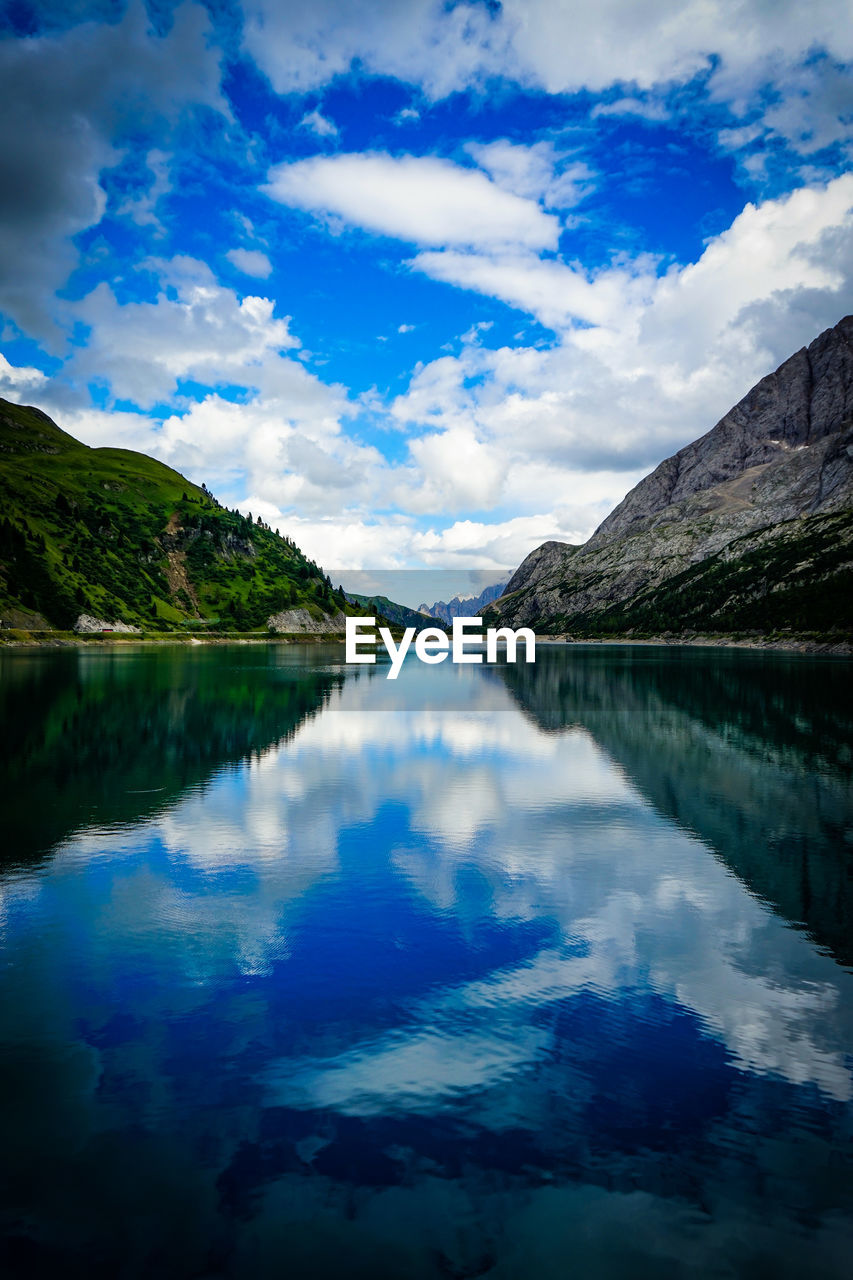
(796, 577)
(118, 535)
(398, 615)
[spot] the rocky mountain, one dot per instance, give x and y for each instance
(463, 606)
(750, 527)
(112, 538)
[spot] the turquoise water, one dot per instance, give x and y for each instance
(509, 972)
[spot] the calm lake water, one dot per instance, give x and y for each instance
(508, 972)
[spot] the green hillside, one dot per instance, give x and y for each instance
(399, 615)
(123, 537)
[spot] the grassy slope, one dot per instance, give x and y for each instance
(398, 615)
(124, 537)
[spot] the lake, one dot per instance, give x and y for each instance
(520, 971)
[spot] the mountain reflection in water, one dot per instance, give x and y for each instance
(526, 971)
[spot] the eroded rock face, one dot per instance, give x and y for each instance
(784, 452)
(300, 621)
(808, 398)
(87, 625)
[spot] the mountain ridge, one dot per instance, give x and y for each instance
(772, 480)
(797, 405)
(463, 606)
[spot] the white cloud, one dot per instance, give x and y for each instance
(655, 362)
(645, 108)
(769, 248)
(536, 171)
(354, 541)
(280, 438)
(545, 441)
(301, 47)
(493, 543)
(421, 199)
(195, 329)
(562, 48)
(252, 262)
(776, 250)
(285, 457)
(405, 328)
(554, 292)
(460, 470)
(321, 126)
(18, 380)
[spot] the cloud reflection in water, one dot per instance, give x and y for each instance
(424, 942)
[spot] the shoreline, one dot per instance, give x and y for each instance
(125, 641)
(829, 646)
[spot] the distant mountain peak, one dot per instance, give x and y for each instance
(463, 606)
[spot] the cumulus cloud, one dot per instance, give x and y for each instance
(493, 542)
(421, 199)
(507, 447)
(264, 426)
(460, 469)
(272, 455)
(194, 329)
(553, 291)
(18, 380)
(498, 448)
(654, 362)
(768, 248)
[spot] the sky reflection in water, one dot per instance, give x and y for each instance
(456, 976)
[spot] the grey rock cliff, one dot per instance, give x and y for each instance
(808, 398)
(86, 624)
(783, 453)
(295, 621)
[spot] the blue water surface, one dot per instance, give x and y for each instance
(506, 972)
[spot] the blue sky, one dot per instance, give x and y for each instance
(423, 283)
